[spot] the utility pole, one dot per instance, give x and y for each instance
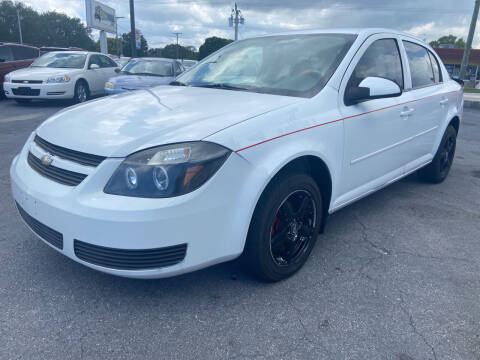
(176, 34)
(133, 32)
(19, 27)
(468, 46)
(236, 18)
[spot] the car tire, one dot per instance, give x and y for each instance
(23, 101)
(82, 92)
(437, 171)
(281, 237)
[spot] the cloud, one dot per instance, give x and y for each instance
(203, 18)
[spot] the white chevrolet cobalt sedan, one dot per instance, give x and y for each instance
(247, 153)
(73, 75)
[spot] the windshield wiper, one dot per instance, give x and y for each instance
(223, 86)
(177, 83)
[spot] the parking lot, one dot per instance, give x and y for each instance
(395, 276)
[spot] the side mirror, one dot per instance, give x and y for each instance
(94, 66)
(371, 88)
(117, 70)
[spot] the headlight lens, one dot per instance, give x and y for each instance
(58, 79)
(109, 85)
(167, 171)
(6, 78)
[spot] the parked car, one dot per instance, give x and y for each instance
(46, 49)
(76, 75)
(187, 64)
(143, 73)
(14, 57)
(248, 152)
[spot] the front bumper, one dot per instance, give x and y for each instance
(213, 220)
(39, 91)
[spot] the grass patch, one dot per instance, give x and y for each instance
(477, 91)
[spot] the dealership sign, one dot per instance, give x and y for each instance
(100, 16)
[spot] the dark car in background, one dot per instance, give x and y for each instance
(13, 57)
(141, 73)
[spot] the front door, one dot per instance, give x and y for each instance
(374, 130)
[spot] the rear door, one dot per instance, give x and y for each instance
(425, 89)
(375, 130)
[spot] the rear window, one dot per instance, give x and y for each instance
(421, 69)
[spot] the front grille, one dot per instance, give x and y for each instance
(26, 91)
(27, 81)
(129, 259)
(48, 234)
(54, 173)
(67, 154)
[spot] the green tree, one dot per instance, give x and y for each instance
(449, 40)
(211, 45)
(127, 48)
(42, 29)
(170, 51)
(111, 45)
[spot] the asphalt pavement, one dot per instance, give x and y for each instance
(395, 276)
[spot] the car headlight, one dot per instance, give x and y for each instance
(6, 78)
(109, 85)
(167, 171)
(58, 79)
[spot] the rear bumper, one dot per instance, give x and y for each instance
(39, 91)
(212, 221)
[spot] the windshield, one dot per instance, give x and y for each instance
(147, 67)
(61, 60)
(188, 62)
(292, 65)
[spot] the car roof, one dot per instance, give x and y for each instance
(364, 32)
(17, 44)
(154, 58)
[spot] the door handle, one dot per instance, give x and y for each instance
(407, 112)
(444, 102)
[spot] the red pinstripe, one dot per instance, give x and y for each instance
(333, 121)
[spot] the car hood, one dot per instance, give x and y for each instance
(132, 82)
(119, 125)
(39, 73)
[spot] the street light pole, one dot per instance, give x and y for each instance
(116, 34)
(132, 29)
(176, 34)
(19, 27)
(468, 46)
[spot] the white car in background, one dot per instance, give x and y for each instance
(247, 152)
(76, 75)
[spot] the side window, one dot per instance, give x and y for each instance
(107, 62)
(24, 53)
(382, 59)
(94, 59)
(421, 69)
(436, 68)
(5, 54)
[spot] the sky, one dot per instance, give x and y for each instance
(197, 20)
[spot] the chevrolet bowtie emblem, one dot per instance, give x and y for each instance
(25, 81)
(46, 159)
